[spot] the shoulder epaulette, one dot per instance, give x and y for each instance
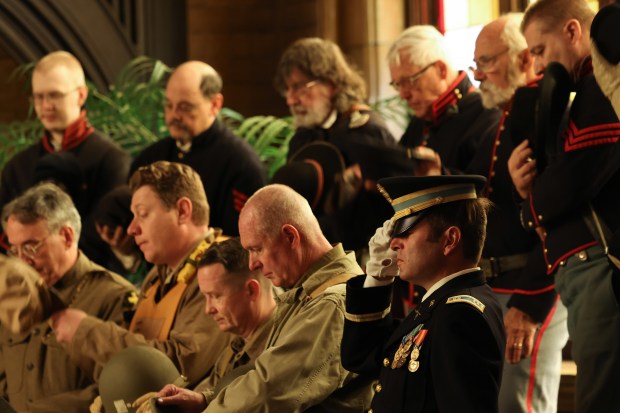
(467, 299)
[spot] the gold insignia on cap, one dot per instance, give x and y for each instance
(467, 299)
(420, 200)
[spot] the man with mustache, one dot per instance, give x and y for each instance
(534, 319)
(228, 166)
(326, 97)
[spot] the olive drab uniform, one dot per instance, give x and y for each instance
(36, 374)
(445, 356)
(169, 316)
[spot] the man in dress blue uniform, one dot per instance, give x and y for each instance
(577, 190)
(533, 316)
(446, 355)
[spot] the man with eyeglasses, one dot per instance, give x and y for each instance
(573, 202)
(449, 119)
(59, 92)
(448, 115)
(228, 166)
(534, 319)
(446, 355)
(326, 97)
(36, 374)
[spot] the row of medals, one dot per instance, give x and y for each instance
(403, 352)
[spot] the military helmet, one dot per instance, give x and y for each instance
(133, 372)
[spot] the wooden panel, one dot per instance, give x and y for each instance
(14, 96)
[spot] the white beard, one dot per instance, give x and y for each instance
(312, 116)
(493, 96)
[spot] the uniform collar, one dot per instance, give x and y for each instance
(445, 280)
(459, 88)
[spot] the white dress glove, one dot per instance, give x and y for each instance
(382, 261)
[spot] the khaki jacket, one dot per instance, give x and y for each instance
(36, 374)
(194, 342)
(300, 369)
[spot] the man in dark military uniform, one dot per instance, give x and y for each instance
(326, 98)
(446, 355)
(534, 319)
(228, 166)
(449, 116)
(576, 193)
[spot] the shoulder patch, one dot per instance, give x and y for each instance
(358, 119)
(467, 299)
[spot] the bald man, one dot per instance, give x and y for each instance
(300, 368)
(534, 319)
(230, 168)
(58, 95)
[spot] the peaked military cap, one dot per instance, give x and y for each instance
(412, 196)
(605, 32)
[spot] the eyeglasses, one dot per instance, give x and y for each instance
(486, 62)
(299, 89)
(28, 250)
(51, 97)
(409, 81)
(182, 107)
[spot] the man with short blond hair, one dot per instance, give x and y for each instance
(574, 197)
(59, 93)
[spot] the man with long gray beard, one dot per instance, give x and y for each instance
(534, 319)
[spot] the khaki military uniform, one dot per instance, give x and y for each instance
(36, 374)
(300, 369)
(193, 343)
(238, 353)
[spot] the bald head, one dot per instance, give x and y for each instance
(502, 59)
(193, 100)
(281, 234)
(275, 205)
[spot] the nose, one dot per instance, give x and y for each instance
(291, 98)
(209, 308)
(404, 92)
(539, 66)
(395, 244)
(479, 75)
(133, 229)
(254, 264)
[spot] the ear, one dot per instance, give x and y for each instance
(291, 235)
(184, 210)
(572, 30)
(252, 287)
(82, 95)
(68, 235)
(452, 239)
(442, 69)
(525, 61)
(217, 102)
